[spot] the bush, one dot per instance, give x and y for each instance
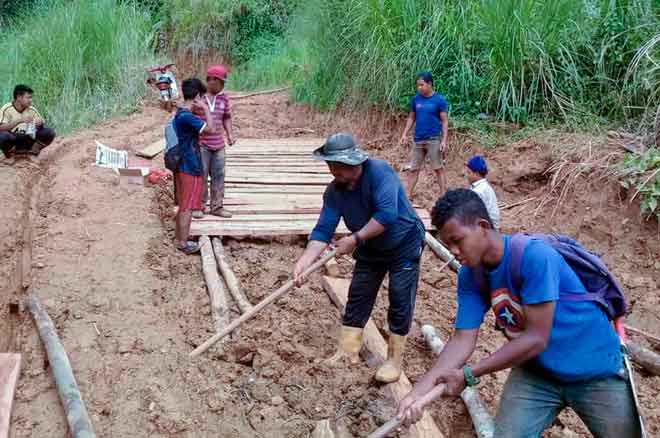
(84, 63)
(641, 173)
(233, 29)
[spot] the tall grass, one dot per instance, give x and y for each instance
(232, 29)
(85, 62)
(513, 59)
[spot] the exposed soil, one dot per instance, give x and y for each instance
(129, 308)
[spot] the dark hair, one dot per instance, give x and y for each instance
(21, 89)
(426, 76)
(462, 204)
(191, 88)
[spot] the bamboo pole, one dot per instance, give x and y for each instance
(80, 425)
(228, 275)
(217, 293)
(286, 287)
(442, 252)
(481, 418)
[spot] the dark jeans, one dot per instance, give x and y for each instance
(530, 403)
(20, 142)
(403, 267)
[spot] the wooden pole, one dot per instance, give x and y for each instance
(217, 293)
(642, 333)
(442, 252)
(374, 343)
(10, 369)
(80, 425)
(481, 418)
(645, 358)
(286, 287)
(230, 278)
(394, 423)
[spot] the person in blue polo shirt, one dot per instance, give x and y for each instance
(428, 111)
(562, 353)
(387, 238)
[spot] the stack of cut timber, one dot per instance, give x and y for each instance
(272, 187)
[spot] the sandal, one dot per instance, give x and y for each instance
(189, 248)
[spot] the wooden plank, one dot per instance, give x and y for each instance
(337, 289)
(214, 285)
(152, 150)
(298, 141)
(228, 275)
(274, 180)
(291, 178)
(270, 169)
(239, 188)
(10, 369)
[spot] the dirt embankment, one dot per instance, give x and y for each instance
(103, 259)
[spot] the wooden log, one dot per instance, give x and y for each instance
(644, 357)
(442, 252)
(395, 423)
(337, 290)
(217, 294)
(286, 287)
(483, 422)
(10, 369)
(228, 275)
(332, 268)
(259, 93)
(80, 425)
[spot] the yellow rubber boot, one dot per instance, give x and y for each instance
(350, 344)
(390, 371)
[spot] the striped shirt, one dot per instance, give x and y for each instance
(218, 106)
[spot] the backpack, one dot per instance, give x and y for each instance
(602, 287)
(172, 155)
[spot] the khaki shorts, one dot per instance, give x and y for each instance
(430, 147)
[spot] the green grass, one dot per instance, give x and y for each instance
(85, 63)
(519, 60)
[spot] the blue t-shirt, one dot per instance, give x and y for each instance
(188, 127)
(583, 344)
(427, 115)
(379, 194)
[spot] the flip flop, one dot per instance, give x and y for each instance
(190, 247)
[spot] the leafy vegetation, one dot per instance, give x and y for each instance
(84, 63)
(641, 173)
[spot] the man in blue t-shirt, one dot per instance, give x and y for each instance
(428, 111)
(189, 182)
(387, 238)
(563, 353)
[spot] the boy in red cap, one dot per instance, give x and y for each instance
(213, 143)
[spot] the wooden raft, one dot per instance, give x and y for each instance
(273, 187)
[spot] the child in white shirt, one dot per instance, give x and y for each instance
(477, 169)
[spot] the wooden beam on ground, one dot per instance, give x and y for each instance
(217, 294)
(80, 425)
(644, 357)
(483, 422)
(337, 289)
(152, 150)
(441, 251)
(10, 369)
(259, 93)
(228, 275)
(332, 268)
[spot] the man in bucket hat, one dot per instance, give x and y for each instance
(387, 238)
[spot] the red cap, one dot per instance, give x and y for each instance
(217, 71)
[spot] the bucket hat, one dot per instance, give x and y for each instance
(341, 148)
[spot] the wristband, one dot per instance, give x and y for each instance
(470, 380)
(358, 241)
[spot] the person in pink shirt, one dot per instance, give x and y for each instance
(213, 144)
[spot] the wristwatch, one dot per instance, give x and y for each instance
(470, 380)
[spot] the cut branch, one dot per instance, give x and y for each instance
(228, 275)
